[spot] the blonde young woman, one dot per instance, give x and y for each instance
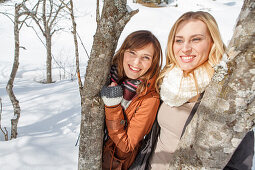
(194, 48)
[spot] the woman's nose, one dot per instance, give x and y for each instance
(186, 47)
(136, 61)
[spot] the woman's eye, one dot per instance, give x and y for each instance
(196, 39)
(178, 41)
(146, 58)
(132, 52)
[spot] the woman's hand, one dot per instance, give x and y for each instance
(113, 84)
(112, 94)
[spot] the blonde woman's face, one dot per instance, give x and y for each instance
(138, 61)
(192, 44)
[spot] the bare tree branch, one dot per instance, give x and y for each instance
(5, 133)
(97, 13)
(7, 15)
(66, 5)
(56, 30)
(54, 18)
(51, 11)
(24, 20)
(33, 14)
(44, 18)
(83, 45)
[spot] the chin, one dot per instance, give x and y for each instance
(132, 77)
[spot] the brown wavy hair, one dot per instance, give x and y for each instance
(217, 50)
(138, 40)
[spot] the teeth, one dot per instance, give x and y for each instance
(135, 69)
(187, 58)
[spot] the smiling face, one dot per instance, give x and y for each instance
(192, 44)
(137, 62)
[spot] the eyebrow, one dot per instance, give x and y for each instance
(178, 36)
(149, 55)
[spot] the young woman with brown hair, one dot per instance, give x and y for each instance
(131, 100)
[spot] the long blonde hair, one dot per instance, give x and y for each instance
(216, 52)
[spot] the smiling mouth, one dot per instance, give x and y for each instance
(134, 69)
(187, 59)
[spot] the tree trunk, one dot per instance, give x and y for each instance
(226, 112)
(76, 47)
(47, 36)
(112, 22)
(49, 57)
(15, 102)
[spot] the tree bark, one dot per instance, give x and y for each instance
(47, 35)
(9, 87)
(112, 22)
(226, 112)
(49, 58)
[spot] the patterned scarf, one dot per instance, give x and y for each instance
(129, 86)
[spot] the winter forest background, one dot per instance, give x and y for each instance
(49, 123)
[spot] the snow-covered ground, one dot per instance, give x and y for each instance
(50, 113)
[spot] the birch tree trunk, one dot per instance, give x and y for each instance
(71, 10)
(47, 35)
(226, 112)
(9, 87)
(49, 58)
(70, 7)
(109, 27)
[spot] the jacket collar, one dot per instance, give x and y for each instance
(149, 86)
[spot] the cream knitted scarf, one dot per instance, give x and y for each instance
(177, 89)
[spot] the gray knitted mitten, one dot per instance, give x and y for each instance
(112, 95)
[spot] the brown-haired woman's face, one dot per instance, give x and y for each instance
(137, 62)
(192, 44)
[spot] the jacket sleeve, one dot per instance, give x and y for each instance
(140, 124)
(242, 158)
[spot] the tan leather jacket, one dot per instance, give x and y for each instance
(140, 116)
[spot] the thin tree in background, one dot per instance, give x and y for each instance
(9, 88)
(5, 132)
(227, 110)
(110, 24)
(46, 16)
(70, 8)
